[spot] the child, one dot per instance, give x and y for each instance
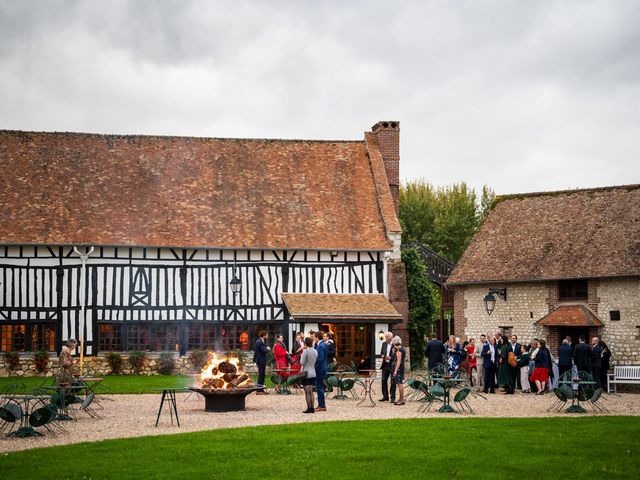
(523, 363)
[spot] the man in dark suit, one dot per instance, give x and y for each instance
(489, 361)
(564, 357)
(260, 351)
(322, 366)
(582, 356)
(596, 360)
(435, 352)
(516, 348)
(385, 355)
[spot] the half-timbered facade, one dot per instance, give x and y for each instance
(167, 222)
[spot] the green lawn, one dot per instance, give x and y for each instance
(477, 448)
(117, 383)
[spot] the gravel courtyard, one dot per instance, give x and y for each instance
(135, 415)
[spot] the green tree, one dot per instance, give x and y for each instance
(444, 218)
(422, 303)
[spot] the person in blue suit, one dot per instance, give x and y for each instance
(489, 361)
(322, 366)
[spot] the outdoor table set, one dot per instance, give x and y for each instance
(345, 381)
(23, 408)
(447, 383)
(578, 386)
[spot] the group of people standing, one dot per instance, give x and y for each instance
(501, 361)
(310, 360)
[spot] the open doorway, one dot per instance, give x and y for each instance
(354, 343)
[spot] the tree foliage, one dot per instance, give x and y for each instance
(423, 299)
(444, 218)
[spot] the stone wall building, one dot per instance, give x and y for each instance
(569, 263)
(168, 223)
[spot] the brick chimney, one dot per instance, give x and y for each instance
(388, 134)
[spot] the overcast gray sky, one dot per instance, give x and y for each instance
(519, 95)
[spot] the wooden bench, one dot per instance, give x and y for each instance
(623, 374)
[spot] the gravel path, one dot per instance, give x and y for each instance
(135, 415)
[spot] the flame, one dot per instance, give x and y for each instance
(224, 372)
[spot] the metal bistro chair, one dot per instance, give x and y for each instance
(10, 413)
(595, 400)
(43, 416)
(417, 388)
(87, 405)
(560, 400)
(460, 400)
(431, 394)
(347, 385)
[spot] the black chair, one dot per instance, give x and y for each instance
(10, 413)
(43, 417)
(595, 400)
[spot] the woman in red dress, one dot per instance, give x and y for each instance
(471, 348)
(280, 354)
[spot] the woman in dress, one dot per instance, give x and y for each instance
(281, 358)
(64, 377)
(398, 355)
(473, 361)
(505, 371)
(453, 356)
(541, 369)
(308, 364)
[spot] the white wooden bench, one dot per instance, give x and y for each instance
(623, 374)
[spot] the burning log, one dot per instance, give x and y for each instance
(227, 367)
(242, 378)
(229, 377)
(218, 383)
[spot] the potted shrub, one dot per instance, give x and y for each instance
(41, 359)
(115, 363)
(12, 360)
(137, 359)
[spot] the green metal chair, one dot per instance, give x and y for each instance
(87, 407)
(460, 399)
(347, 385)
(560, 400)
(595, 400)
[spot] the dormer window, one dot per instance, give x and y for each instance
(572, 290)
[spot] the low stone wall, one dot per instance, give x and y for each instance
(98, 366)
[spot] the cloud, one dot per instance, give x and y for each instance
(520, 96)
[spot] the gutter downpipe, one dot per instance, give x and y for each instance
(83, 281)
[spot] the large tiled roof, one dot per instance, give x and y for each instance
(555, 235)
(71, 188)
(337, 306)
(571, 316)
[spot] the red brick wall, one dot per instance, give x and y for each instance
(388, 134)
(552, 298)
(592, 294)
(459, 307)
(399, 297)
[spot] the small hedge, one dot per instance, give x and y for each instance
(12, 360)
(167, 363)
(137, 359)
(115, 363)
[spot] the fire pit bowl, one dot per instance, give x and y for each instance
(219, 400)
